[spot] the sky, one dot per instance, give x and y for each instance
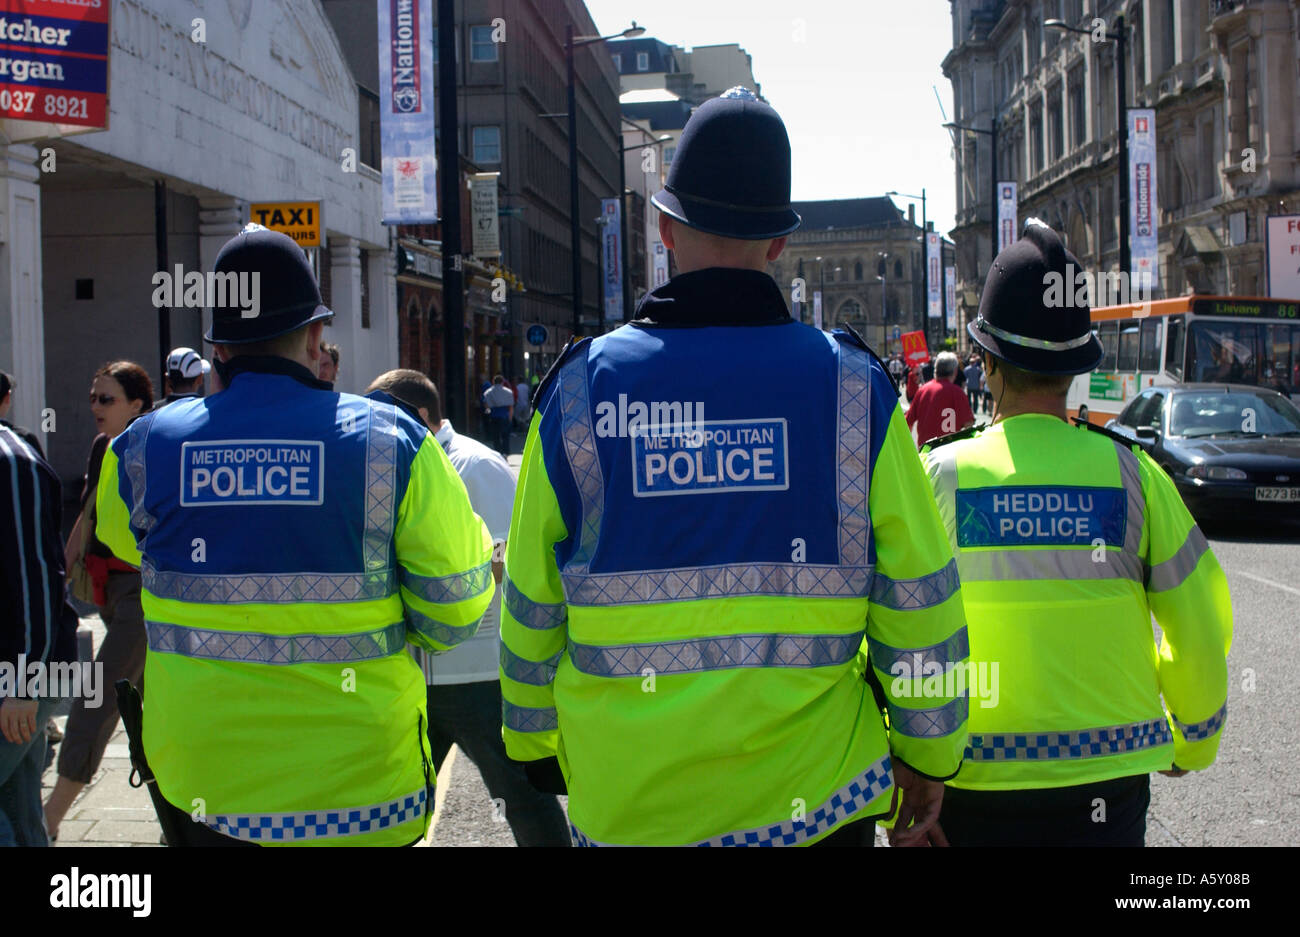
(853, 80)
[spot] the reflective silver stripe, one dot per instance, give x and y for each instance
(137, 436)
(1026, 342)
(943, 478)
(584, 461)
(440, 631)
(524, 719)
(252, 647)
(929, 723)
(276, 588)
(1052, 746)
(320, 824)
(716, 653)
(1171, 573)
(540, 616)
(381, 487)
(857, 795)
(1130, 473)
(853, 455)
(451, 588)
(912, 594)
(1198, 731)
(915, 660)
(713, 582)
(851, 578)
(1036, 563)
(523, 670)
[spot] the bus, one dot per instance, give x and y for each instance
(1187, 339)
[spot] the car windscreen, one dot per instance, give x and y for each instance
(1232, 413)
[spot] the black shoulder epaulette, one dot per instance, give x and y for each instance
(1087, 424)
(848, 334)
(574, 344)
(966, 433)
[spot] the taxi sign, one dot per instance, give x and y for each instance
(300, 220)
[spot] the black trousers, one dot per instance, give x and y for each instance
(1104, 813)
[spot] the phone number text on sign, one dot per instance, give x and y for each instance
(40, 104)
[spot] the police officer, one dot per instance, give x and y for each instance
(291, 540)
(698, 554)
(1067, 540)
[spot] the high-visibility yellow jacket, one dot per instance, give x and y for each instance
(684, 609)
(1066, 542)
(291, 541)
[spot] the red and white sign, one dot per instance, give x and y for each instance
(54, 62)
(915, 350)
(1282, 233)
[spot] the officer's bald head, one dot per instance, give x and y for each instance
(698, 250)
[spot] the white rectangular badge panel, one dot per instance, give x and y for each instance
(715, 457)
(230, 472)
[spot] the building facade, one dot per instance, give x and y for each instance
(1224, 80)
(865, 257)
(262, 107)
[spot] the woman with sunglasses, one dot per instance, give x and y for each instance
(121, 391)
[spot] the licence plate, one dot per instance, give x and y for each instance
(1277, 494)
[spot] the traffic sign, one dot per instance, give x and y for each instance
(537, 335)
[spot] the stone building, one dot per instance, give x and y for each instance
(1223, 77)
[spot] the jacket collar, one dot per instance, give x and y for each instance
(716, 296)
(270, 364)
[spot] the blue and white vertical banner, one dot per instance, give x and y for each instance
(1144, 219)
(659, 265)
(1008, 215)
(934, 283)
(611, 258)
(950, 295)
(406, 97)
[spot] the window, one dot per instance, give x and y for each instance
(618, 61)
(487, 145)
(1108, 333)
(670, 153)
(1174, 346)
(898, 270)
(1224, 351)
(643, 61)
(1078, 109)
(857, 270)
(880, 268)
(1149, 351)
(1036, 146)
(481, 46)
(1145, 411)
(1128, 346)
(1055, 126)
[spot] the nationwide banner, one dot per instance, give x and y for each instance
(950, 294)
(406, 111)
(1144, 222)
(1008, 215)
(611, 258)
(54, 62)
(935, 282)
(483, 212)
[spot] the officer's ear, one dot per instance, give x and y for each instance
(314, 332)
(775, 249)
(666, 231)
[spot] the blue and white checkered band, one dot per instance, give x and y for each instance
(319, 824)
(1026, 342)
(1060, 746)
(835, 810)
(1198, 731)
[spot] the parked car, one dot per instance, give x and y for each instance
(1231, 449)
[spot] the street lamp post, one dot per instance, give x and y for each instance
(1120, 38)
(883, 277)
(572, 42)
(622, 215)
(925, 255)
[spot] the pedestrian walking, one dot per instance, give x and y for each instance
(121, 392)
(291, 541)
(939, 407)
(464, 690)
(1068, 541)
(37, 628)
(7, 387)
(974, 373)
(685, 600)
(184, 370)
(499, 406)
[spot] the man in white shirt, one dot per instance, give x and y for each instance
(499, 404)
(464, 687)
